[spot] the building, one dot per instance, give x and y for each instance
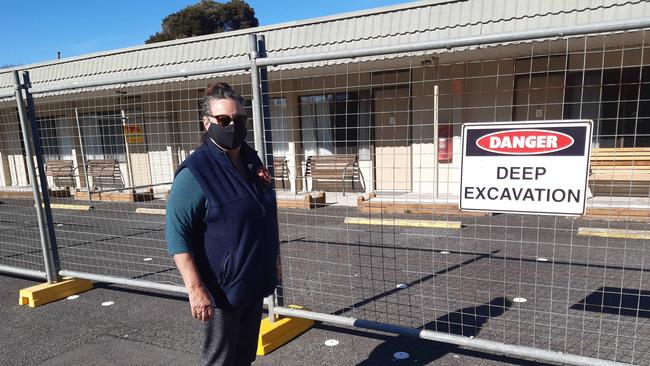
(379, 107)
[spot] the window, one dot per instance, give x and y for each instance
(103, 136)
(57, 141)
(280, 116)
(336, 124)
(49, 141)
(616, 101)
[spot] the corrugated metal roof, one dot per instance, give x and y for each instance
(407, 23)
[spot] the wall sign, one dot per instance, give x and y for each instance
(526, 167)
(134, 134)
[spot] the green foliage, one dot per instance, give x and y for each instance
(206, 17)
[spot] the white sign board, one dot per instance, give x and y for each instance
(536, 167)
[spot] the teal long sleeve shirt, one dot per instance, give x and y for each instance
(186, 206)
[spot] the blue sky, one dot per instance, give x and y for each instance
(34, 30)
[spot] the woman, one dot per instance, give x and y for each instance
(222, 231)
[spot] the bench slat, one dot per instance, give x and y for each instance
(632, 165)
(625, 178)
(620, 156)
(623, 171)
(620, 150)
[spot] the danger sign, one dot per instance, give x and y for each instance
(522, 167)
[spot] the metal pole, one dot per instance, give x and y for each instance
(52, 276)
(83, 155)
(264, 101)
(258, 130)
(38, 152)
(22, 271)
(258, 122)
(126, 145)
(466, 342)
(278, 296)
(436, 139)
(109, 279)
(124, 281)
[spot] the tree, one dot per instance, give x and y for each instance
(206, 17)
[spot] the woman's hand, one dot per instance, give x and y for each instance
(200, 303)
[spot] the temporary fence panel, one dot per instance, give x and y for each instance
(397, 257)
(124, 145)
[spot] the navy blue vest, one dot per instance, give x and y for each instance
(236, 246)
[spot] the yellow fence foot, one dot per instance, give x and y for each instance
(273, 335)
(48, 292)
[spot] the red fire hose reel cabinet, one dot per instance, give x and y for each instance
(445, 143)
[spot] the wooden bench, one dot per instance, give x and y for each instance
(62, 173)
(105, 173)
(332, 170)
(281, 171)
(622, 171)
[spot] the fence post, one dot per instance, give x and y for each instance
(266, 113)
(268, 138)
(38, 151)
(258, 129)
(258, 123)
(48, 244)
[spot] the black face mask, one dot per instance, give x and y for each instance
(228, 137)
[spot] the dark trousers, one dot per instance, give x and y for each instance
(230, 337)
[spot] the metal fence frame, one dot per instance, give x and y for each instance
(258, 63)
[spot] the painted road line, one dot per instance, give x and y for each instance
(61, 206)
(150, 211)
(614, 233)
(407, 223)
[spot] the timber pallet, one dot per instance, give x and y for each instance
(618, 214)
(120, 196)
(367, 205)
(307, 201)
(56, 193)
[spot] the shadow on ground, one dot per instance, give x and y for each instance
(465, 322)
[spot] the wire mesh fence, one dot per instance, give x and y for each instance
(20, 243)
(122, 146)
(378, 140)
(524, 280)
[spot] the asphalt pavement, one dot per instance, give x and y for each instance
(153, 328)
(523, 280)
